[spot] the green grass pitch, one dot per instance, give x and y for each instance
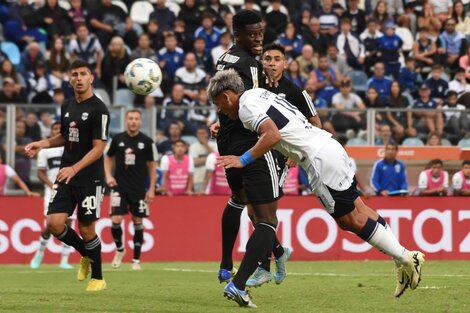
(193, 287)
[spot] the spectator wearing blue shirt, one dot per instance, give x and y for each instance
(208, 32)
(326, 79)
(291, 41)
(438, 85)
(431, 120)
(163, 15)
(408, 76)
(379, 81)
(452, 44)
(389, 174)
(170, 57)
(389, 50)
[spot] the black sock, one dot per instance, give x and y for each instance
(368, 230)
(116, 231)
(381, 221)
(266, 264)
(138, 240)
(278, 249)
(46, 235)
(230, 227)
(260, 242)
(93, 248)
(70, 237)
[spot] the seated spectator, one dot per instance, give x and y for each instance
(293, 74)
(434, 139)
(394, 7)
(398, 119)
(156, 36)
(208, 32)
(170, 57)
(23, 25)
(33, 130)
(428, 121)
(29, 60)
(442, 9)
(372, 101)
(191, 77)
(385, 135)
(408, 76)
(457, 124)
(179, 114)
(336, 61)
(191, 14)
(465, 63)
(225, 44)
(77, 14)
(204, 58)
(390, 45)
(329, 20)
(58, 97)
(58, 63)
(357, 17)
(46, 120)
(461, 180)
(199, 151)
(459, 83)
(379, 81)
(275, 19)
(452, 45)
(428, 19)
(163, 15)
(315, 37)
(55, 20)
(88, 48)
(326, 80)
(164, 146)
(424, 52)
(8, 95)
(109, 20)
(22, 162)
(434, 181)
(438, 85)
(114, 64)
(381, 15)
(291, 41)
(403, 31)
(144, 50)
(320, 104)
(349, 46)
(7, 70)
(6, 173)
(202, 112)
(217, 10)
(178, 170)
(215, 181)
(307, 60)
(370, 40)
(389, 174)
(463, 20)
(40, 85)
(344, 120)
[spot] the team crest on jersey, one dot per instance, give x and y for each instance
(140, 145)
(84, 116)
(397, 168)
(229, 58)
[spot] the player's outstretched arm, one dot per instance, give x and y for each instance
(32, 149)
(24, 187)
(269, 137)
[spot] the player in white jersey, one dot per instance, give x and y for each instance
(48, 167)
(281, 126)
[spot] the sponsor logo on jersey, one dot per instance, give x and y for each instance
(74, 134)
(84, 116)
(140, 145)
(229, 58)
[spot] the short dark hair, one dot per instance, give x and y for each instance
(465, 162)
(436, 162)
(436, 67)
(392, 143)
(55, 123)
(180, 141)
(274, 46)
(245, 17)
(80, 63)
(134, 111)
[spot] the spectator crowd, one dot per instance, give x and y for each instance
(347, 54)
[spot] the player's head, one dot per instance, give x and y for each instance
(391, 151)
(248, 31)
(224, 90)
(55, 128)
(436, 166)
(274, 56)
(466, 168)
(133, 121)
(179, 148)
(81, 76)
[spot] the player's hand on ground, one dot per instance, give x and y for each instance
(111, 182)
(66, 174)
(229, 161)
(215, 129)
(33, 148)
(150, 195)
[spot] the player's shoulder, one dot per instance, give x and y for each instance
(145, 138)
(236, 56)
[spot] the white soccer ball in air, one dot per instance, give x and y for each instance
(143, 76)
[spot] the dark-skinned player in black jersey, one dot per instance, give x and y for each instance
(133, 156)
(79, 183)
(233, 138)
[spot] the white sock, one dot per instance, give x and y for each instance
(390, 233)
(65, 253)
(42, 245)
(386, 242)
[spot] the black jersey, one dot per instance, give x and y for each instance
(81, 124)
(132, 155)
(296, 96)
(232, 137)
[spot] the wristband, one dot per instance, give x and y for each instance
(246, 158)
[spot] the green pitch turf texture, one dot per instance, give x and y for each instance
(193, 287)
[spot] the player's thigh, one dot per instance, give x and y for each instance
(62, 199)
(344, 199)
(119, 203)
(137, 205)
(89, 202)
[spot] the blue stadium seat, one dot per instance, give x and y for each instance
(413, 141)
(12, 51)
(359, 80)
(103, 95)
(115, 126)
(464, 143)
(446, 142)
(124, 97)
(189, 139)
(356, 142)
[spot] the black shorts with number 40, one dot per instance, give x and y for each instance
(123, 202)
(87, 199)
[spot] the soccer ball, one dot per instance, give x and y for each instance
(143, 76)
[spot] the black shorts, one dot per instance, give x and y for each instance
(87, 199)
(259, 179)
(123, 202)
(344, 200)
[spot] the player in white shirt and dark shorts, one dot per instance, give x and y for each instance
(48, 167)
(281, 126)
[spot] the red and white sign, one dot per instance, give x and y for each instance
(188, 229)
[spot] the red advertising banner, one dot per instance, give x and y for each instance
(188, 229)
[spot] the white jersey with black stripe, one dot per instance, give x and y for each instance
(300, 140)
